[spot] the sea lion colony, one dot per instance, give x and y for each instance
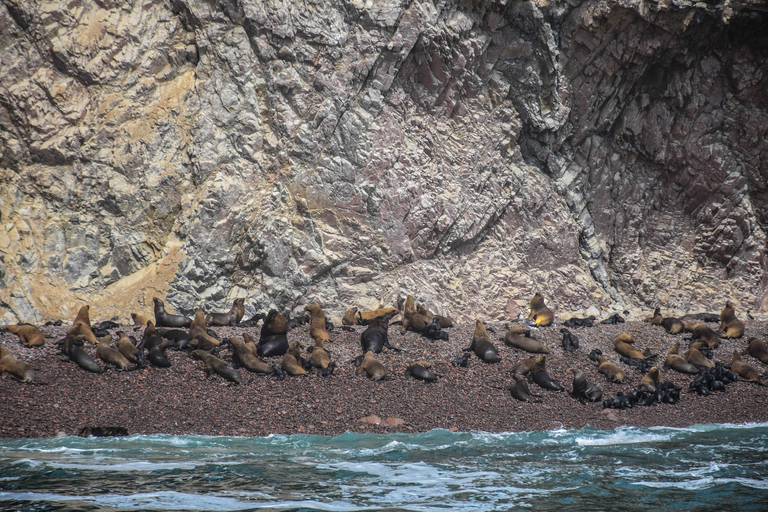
(85, 345)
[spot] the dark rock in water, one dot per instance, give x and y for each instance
(103, 432)
(580, 322)
(613, 319)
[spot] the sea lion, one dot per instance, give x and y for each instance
(243, 356)
(127, 348)
(584, 390)
(198, 333)
(82, 326)
(319, 356)
(215, 365)
(253, 321)
(729, 324)
(580, 322)
(20, 370)
(74, 349)
(375, 336)
(290, 363)
(672, 325)
(111, 355)
(757, 349)
(482, 346)
(372, 367)
(694, 356)
(524, 342)
(570, 341)
(539, 313)
(678, 363)
(707, 335)
(623, 345)
(412, 319)
(139, 319)
(433, 332)
(165, 319)
(420, 370)
(443, 321)
(151, 338)
(542, 379)
(649, 381)
(179, 337)
(526, 366)
(157, 356)
(657, 317)
(29, 335)
(317, 324)
(520, 390)
(273, 340)
(350, 316)
(611, 371)
(231, 317)
(613, 319)
(367, 317)
(250, 344)
(743, 370)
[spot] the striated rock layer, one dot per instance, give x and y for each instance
(609, 154)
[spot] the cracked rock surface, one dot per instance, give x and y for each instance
(611, 155)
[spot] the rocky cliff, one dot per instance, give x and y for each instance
(609, 154)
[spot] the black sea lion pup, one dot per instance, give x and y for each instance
(540, 314)
(570, 341)
(273, 340)
(231, 317)
(519, 390)
(29, 335)
(164, 319)
(520, 339)
(215, 365)
(420, 370)
(584, 390)
(253, 321)
(580, 322)
(613, 319)
(179, 337)
(730, 326)
(433, 332)
(757, 349)
(20, 370)
(461, 362)
(482, 346)
(110, 355)
(371, 367)
(375, 336)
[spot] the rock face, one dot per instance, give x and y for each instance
(608, 154)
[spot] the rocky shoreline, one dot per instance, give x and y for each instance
(183, 400)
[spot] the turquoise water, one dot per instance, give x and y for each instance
(705, 467)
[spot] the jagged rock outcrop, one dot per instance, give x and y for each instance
(608, 154)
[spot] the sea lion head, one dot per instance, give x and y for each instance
(480, 331)
(537, 301)
(624, 337)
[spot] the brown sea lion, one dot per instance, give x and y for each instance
(29, 335)
(110, 355)
(657, 318)
(539, 313)
(250, 344)
(291, 365)
(623, 345)
(443, 321)
(319, 356)
(198, 333)
(273, 340)
(694, 356)
(757, 349)
(707, 335)
(242, 355)
(611, 371)
(82, 326)
(317, 327)
(729, 324)
(584, 390)
(127, 348)
(18, 369)
(526, 366)
(350, 316)
(215, 365)
(743, 370)
(650, 380)
(372, 367)
(672, 325)
(139, 319)
(412, 319)
(524, 342)
(231, 317)
(482, 346)
(165, 319)
(677, 362)
(520, 390)
(367, 317)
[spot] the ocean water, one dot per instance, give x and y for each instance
(704, 467)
